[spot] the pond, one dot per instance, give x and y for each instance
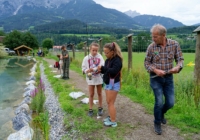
(14, 73)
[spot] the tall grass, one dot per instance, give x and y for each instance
(38, 96)
(40, 121)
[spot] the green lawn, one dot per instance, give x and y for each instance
(138, 60)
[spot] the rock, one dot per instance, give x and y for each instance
(25, 133)
(21, 120)
(30, 82)
(22, 108)
(27, 93)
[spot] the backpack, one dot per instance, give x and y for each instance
(56, 65)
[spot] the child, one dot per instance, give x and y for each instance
(111, 77)
(93, 77)
(60, 64)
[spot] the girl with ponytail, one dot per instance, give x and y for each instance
(112, 79)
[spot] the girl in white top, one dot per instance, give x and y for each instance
(93, 77)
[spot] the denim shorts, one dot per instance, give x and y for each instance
(116, 87)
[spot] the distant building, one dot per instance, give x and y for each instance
(1, 38)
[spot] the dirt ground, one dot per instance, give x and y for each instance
(130, 113)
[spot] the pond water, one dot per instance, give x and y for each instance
(14, 73)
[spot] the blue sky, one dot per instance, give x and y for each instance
(185, 11)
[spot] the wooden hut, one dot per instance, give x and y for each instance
(23, 50)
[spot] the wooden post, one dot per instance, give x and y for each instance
(197, 57)
(85, 47)
(101, 47)
(73, 51)
(130, 51)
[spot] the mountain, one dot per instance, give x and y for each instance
(182, 30)
(76, 27)
(14, 7)
(25, 14)
(149, 20)
(131, 13)
(197, 24)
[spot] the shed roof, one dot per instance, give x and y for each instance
(197, 30)
(23, 46)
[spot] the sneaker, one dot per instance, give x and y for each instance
(100, 111)
(157, 129)
(90, 112)
(163, 120)
(107, 119)
(109, 123)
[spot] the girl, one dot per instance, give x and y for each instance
(111, 77)
(93, 77)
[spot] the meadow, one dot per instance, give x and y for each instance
(135, 85)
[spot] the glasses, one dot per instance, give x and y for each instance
(106, 53)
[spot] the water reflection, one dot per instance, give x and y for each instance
(13, 75)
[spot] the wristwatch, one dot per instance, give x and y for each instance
(180, 68)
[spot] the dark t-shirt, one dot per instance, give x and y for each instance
(64, 53)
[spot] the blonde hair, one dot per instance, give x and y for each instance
(94, 44)
(115, 48)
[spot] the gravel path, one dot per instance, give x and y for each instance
(56, 115)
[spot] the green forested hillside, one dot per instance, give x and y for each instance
(182, 30)
(77, 27)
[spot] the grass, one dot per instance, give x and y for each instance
(135, 85)
(40, 116)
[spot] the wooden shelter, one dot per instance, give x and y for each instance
(23, 50)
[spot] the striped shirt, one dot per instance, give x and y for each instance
(162, 57)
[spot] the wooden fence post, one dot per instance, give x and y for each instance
(73, 51)
(197, 56)
(130, 51)
(101, 47)
(85, 47)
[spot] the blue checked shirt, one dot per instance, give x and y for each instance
(162, 58)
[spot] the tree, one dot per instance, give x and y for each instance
(16, 39)
(13, 39)
(29, 40)
(2, 33)
(47, 43)
(80, 46)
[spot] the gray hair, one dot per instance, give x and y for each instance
(159, 28)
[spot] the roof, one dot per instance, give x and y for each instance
(23, 46)
(197, 30)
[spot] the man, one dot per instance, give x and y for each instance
(159, 63)
(65, 65)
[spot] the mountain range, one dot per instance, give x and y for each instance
(25, 14)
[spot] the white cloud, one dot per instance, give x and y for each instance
(185, 11)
